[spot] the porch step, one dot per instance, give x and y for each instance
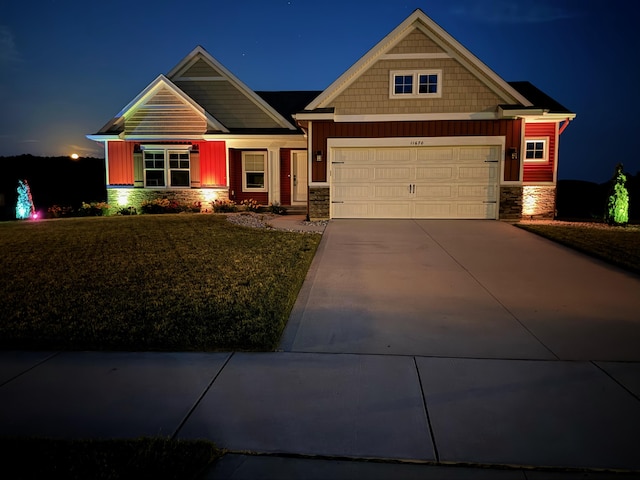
(296, 209)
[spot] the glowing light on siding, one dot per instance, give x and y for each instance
(209, 195)
(530, 202)
(122, 197)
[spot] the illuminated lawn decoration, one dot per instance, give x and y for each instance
(24, 206)
(618, 207)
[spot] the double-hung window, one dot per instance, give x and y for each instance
(167, 166)
(536, 150)
(409, 84)
(254, 171)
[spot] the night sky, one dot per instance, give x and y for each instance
(67, 67)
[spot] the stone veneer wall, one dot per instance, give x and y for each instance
(318, 203)
(118, 198)
(510, 203)
(538, 201)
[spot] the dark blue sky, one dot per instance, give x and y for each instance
(66, 67)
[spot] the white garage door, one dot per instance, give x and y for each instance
(415, 182)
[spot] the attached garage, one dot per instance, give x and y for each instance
(429, 178)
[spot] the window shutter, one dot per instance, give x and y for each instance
(138, 170)
(195, 169)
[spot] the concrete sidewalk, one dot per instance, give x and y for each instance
(516, 413)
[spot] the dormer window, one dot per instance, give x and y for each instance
(425, 83)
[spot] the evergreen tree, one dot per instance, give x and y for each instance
(24, 206)
(618, 206)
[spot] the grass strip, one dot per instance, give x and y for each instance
(143, 458)
(619, 246)
(185, 282)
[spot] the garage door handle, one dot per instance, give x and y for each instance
(491, 161)
(490, 201)
(336, 201)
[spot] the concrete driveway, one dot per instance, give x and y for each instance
(457, 288)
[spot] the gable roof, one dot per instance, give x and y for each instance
(217, 73)
(419, 20)
(290, 102)
(117, 124)
(538, 98)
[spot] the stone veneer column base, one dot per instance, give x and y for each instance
(125, 197)
(538, 202)
(510, 203)
(318, 203)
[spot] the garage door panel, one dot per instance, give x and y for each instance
(391, 210)
(351, 210)
(434, 154)
(434, 191)
(481, 192)
(439, 173)
(395, 173)
(394, 155)
(353, 174)
(477, 173)
(475, 210)
(390, 191)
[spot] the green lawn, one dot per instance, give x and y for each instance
(617, 245)
(185, 282)
(145, 458)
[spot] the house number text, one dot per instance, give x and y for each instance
(416, 142)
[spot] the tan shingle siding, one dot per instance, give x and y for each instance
(461, 91)
(416, 42)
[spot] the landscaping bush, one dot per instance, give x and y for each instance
(250, 205)
(277, 209)
(93, 209)
(164, 205)
(224, 206)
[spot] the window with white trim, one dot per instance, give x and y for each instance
(536, 150)
(254, 171)
(425, 83)
(167, 166)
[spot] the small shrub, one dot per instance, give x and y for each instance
(224, 206)
(93, 209)
(250, 205)
(56, 211)
(127, 211)
(618, 205)
(161, 205)
(277, 209)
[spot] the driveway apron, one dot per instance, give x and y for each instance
(458, 288)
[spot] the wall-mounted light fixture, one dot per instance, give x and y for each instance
(319, 156)
(513, 151)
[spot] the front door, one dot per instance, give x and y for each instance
(299, 177)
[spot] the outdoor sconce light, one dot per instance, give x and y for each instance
(319, 156)
(514, 153)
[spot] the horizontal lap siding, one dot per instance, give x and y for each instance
(510, 129)
(541, 172)
(120, 163)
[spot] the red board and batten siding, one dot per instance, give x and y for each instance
(209, 167)
(235, 185)
(538, 172)
(213, 164)
(510, 129)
